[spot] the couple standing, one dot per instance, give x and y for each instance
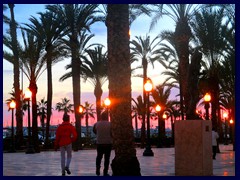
(66, 134)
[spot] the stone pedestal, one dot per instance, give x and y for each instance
(193, 148)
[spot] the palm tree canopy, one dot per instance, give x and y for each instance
(95, 66)
(145, 49)
(64, 106)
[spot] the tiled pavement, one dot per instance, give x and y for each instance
(47, 163)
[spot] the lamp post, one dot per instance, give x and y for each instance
(158, 109)
(225, 115)
(107, 103)
(207, 99)
(12, 106)
(30, 149)
(148, 88)
(232, 132)
(230, 128)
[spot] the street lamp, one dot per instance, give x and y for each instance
(107, 103)
(158, 109)
(164, 116)
(28, 95)
(225, 115)
(12, 106)
(148, 86)
(207, 99)
(81, 109)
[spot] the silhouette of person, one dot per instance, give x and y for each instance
(215, 136)
(102, 129)
(65, 135)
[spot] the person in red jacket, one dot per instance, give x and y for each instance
(65, 135)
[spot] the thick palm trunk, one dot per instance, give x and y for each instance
(182, 36)
(19, 133)
(98, 94)
(192, 85)
(33, 88)
(125, 162)
(49, 97)
(76, 97)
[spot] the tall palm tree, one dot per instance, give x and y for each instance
(147, 51)
(95, 70)
(125, 161)
(13, 45)
(76, 18)
(181, 14)
(50, 28)
(169, 52)
(42, 113)
(33, 62)
(212, 44)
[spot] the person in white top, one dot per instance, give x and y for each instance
(102, 129)
(215, 136)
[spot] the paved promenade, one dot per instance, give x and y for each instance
(47, 163)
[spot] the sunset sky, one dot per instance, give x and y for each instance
(64, 89)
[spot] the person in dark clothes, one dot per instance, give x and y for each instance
(102, 129)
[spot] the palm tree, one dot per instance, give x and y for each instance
(174, 113)
(125, 161)
(147, 51)
(65, 106)
(12, 43)
(50, 28)
(33, 62)
(94, 69)
(89, 112)
(212, 44)
(76, 18)
(42, 108)
(161, 95)
(169, 52)
(181, 14)
(140, 109)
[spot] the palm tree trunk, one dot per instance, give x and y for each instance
(76, 63)
(143, 129)
(125, 162)
(33, 88)
(49, 97)
(87, 133)
(192, 85)
(19, 133)
(182, 36)
(98, 94)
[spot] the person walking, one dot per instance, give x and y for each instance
(215, 136)
(65, 135)
(102, 129)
